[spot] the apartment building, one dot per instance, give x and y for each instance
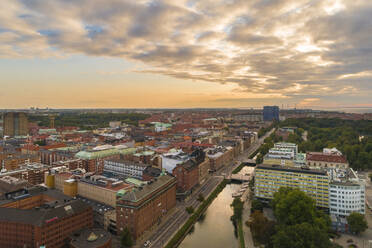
(219, 156)
(15, 124)
(346, 193)
(269, 178)
(187, 175)
(123, 168)
(143, 207)
(285, 145)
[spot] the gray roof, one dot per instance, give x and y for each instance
(139, 194)
(80, 239)
(291, 169)
(39, 217)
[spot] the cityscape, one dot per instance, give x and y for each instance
(185, 124)
(172, 178)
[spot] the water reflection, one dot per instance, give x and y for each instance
(215, 229)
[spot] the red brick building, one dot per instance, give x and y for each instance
(187, 175)
(141, 208)
(220, 157)
(41, 217)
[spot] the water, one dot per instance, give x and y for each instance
(352, 110)
(215, 229)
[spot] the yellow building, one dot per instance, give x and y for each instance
(70, 187)
(269, 178)
(101, 193)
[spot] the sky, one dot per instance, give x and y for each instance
(185, 53)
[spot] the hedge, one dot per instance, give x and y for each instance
(237, 169)
(241, 234)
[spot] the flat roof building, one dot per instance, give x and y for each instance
(139, 209)
(271, 113)
(40, 217)
(269, 178)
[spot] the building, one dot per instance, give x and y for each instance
(13, 161)
(15, 124)
(122, 168)
(187, 175)
(141, 208)
(92, 238)
(33, 173)
(269, 178)
(219, 157)
(150, 173)
(39, 217)
(115, 124)
(172, 158)
(93, 159)
(9, 184)
(285, 154)
(204, 168)
(100, 188)
(326, 159)
(250, 117)
(271, 113)
(346, 193)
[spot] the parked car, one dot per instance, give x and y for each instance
(147, 243)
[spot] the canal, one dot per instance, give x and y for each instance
(215, 229)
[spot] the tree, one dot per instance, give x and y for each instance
(126, 238)
(256, 205)
(237, 206)
(302, 235)
(259, 159)
(300, 224)
(261, 227)
(357, 222)
(293, 206)
(200, 197)
(190, 209)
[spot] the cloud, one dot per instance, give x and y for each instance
(291, 48)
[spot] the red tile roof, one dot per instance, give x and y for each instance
(332, 158)
(54, 146)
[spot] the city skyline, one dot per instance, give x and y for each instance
(185, 54)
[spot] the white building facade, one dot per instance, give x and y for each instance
(124, 168)
(346, 197)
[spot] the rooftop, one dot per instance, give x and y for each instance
(291, 169)
(42, 216)
(91, 238)
(322, 157)
(138, 194)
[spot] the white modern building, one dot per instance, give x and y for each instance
(122, 168)
(346, 193)
(281, 153)
(284, 145)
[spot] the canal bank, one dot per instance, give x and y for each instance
(214, 228)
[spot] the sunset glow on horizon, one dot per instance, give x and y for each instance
(185, 53)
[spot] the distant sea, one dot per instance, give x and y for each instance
(352, 110)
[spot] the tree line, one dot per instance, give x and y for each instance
(352, 138)
(298, 223)
(89, 120)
